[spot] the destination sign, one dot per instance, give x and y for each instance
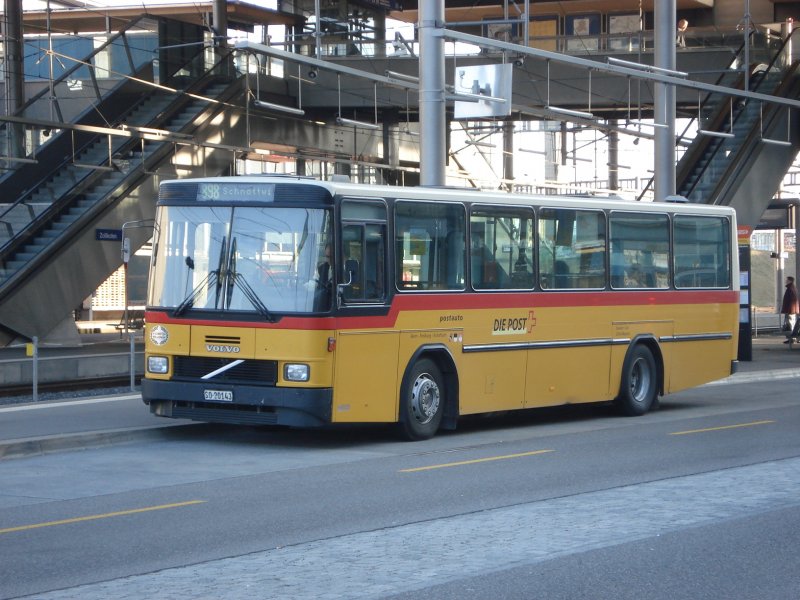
(236, 192)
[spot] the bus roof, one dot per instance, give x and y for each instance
(359, 190)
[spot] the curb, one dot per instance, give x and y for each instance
(26, 447)
(756, 376)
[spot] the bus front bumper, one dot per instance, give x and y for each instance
(250, 404)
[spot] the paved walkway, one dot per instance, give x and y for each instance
(771, 354)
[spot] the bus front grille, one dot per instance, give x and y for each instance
(263, 372)
(213, 413)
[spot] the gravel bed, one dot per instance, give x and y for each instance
(68, 395)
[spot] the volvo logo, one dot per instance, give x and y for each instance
(223, 348)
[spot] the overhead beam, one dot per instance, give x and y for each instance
(643, 73)
(646, 72)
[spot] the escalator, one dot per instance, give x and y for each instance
(60, 238)
(743, 149)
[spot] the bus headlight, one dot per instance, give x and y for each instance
(157, 364)
(295, 372)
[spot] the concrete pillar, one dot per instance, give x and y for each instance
(15, 75)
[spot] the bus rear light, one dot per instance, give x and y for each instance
(295, 372)
(157, 364)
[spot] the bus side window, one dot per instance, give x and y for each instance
(430, 241)
(702, 252)
(639, 244)
(499, 248)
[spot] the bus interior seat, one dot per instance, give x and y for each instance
(455, 259)
(491, 277)
(561, 279)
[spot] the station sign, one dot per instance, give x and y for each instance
(108, 235)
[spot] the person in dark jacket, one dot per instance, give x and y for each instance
(790, 307)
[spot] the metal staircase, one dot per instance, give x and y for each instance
(87, 179)
(742, 149)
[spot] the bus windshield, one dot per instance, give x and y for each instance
(263, 260)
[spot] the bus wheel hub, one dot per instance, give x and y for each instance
(424, 398)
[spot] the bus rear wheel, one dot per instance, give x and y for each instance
(422, 398)
(639, 386)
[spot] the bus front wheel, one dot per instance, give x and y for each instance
(639, 386)
(422, 398)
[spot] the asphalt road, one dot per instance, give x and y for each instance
(697, 500)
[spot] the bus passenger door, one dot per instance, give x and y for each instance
(365, 365)
(365, 377)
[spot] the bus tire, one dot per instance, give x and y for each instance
(639, 384)
(422, 400)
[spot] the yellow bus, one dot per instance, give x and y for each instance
(291, 301)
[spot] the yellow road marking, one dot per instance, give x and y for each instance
(119, 513)
(477, 460)
(722, 427)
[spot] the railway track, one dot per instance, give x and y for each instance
(63, 370)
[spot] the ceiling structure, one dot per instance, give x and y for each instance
(467, 10)
(85, 19)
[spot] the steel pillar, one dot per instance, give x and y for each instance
(664, 146)
(433, 148)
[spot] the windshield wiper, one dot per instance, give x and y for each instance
(208, 280)
(236, 278)
(222, 274)
(250, 294)
(223, 279)
(214, 277)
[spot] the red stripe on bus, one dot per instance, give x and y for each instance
(461, 301)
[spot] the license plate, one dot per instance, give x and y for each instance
(218, 395)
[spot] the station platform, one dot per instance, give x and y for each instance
(88, 420)
(771, 354)
(102, 353)
(86, 328)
